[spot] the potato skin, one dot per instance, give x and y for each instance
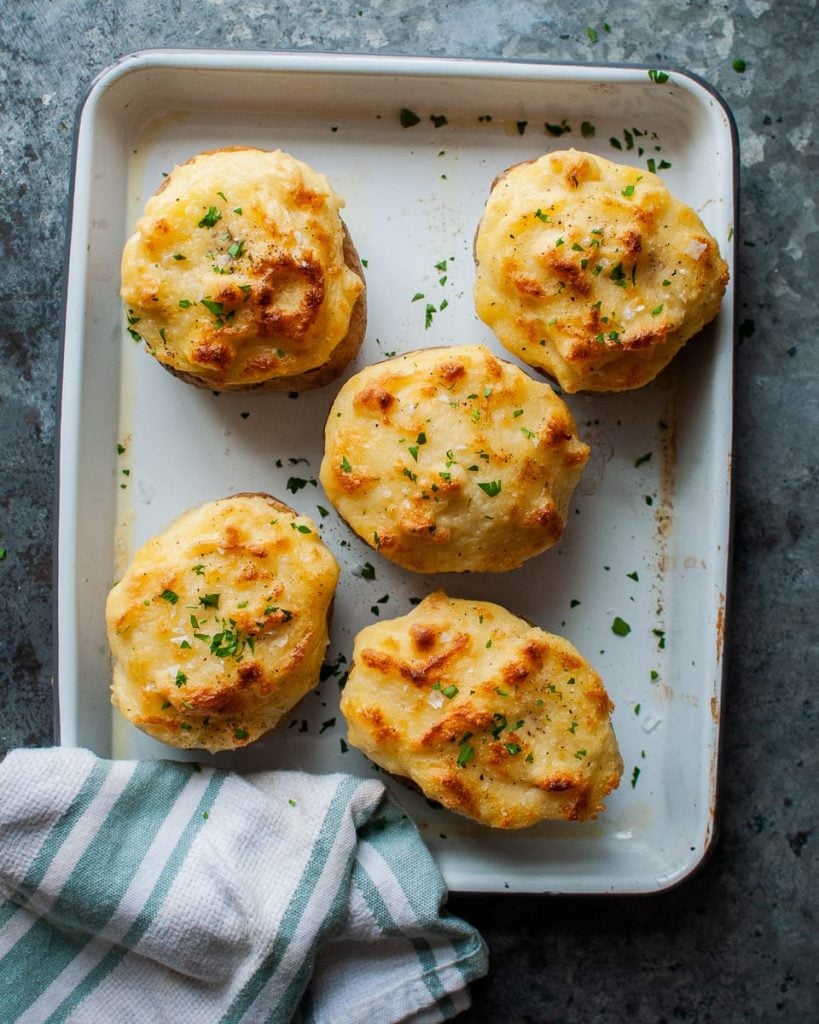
(241, 274)
(219, 625)
(483, 712)
(592, 272)
(451, 460)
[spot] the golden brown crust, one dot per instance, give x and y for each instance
(220, 624)
(489, 716)
(449, 459)
(592, 272)
(241, 274)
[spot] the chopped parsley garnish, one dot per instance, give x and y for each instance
(449, 691)
(513, 748)
(587, 129)
(491, 488)
(198, 569)
(528, 433)
(558, 129)
(628, 191)
(185, 303)
(230, 641)
(739, 65)
(210, 218)
(635, 775)
(633, 576)
(465, 755)
(408, 118)
(367, 571)
(657, 310)
(322, 511)
(169, 596)
(181, 678)
(216, 308)
(301, 528)
(618, 275)
(236, 250)
(295, 484)
(541, 215)
(240, 734)
(620, 627)
(178, 256)
(209, 600)
(417, 296)
(345, 465)
(658, 77)
(580, 754)
(327, 725)
(134, 334)
(642, 460)
(271, 610)
(428, 315)
(499, 723)
(438, 120)
(592, 34)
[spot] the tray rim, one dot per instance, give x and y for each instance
(311, 63)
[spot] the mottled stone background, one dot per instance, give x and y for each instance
(738, 942)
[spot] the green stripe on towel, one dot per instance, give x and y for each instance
(293, 915)
(94, 888)
(380, 911)
(152, 906)
(55, 839)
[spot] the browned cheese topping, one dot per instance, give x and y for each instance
(448, 460)
(220, 624)
(486, 714)
(592, 272)
(240, 271)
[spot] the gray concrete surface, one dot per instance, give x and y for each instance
(738, 942)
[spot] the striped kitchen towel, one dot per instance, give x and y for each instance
(139, 892)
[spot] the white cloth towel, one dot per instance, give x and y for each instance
(140, 892)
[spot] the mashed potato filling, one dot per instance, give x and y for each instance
(485, 713)
(220, 624)
(592, 271)
(236, 273)
(449, 459)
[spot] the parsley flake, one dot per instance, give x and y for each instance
(465, 755)
(210, 218)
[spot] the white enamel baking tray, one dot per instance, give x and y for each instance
(648, 538)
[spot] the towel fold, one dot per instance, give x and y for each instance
(152, 891)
